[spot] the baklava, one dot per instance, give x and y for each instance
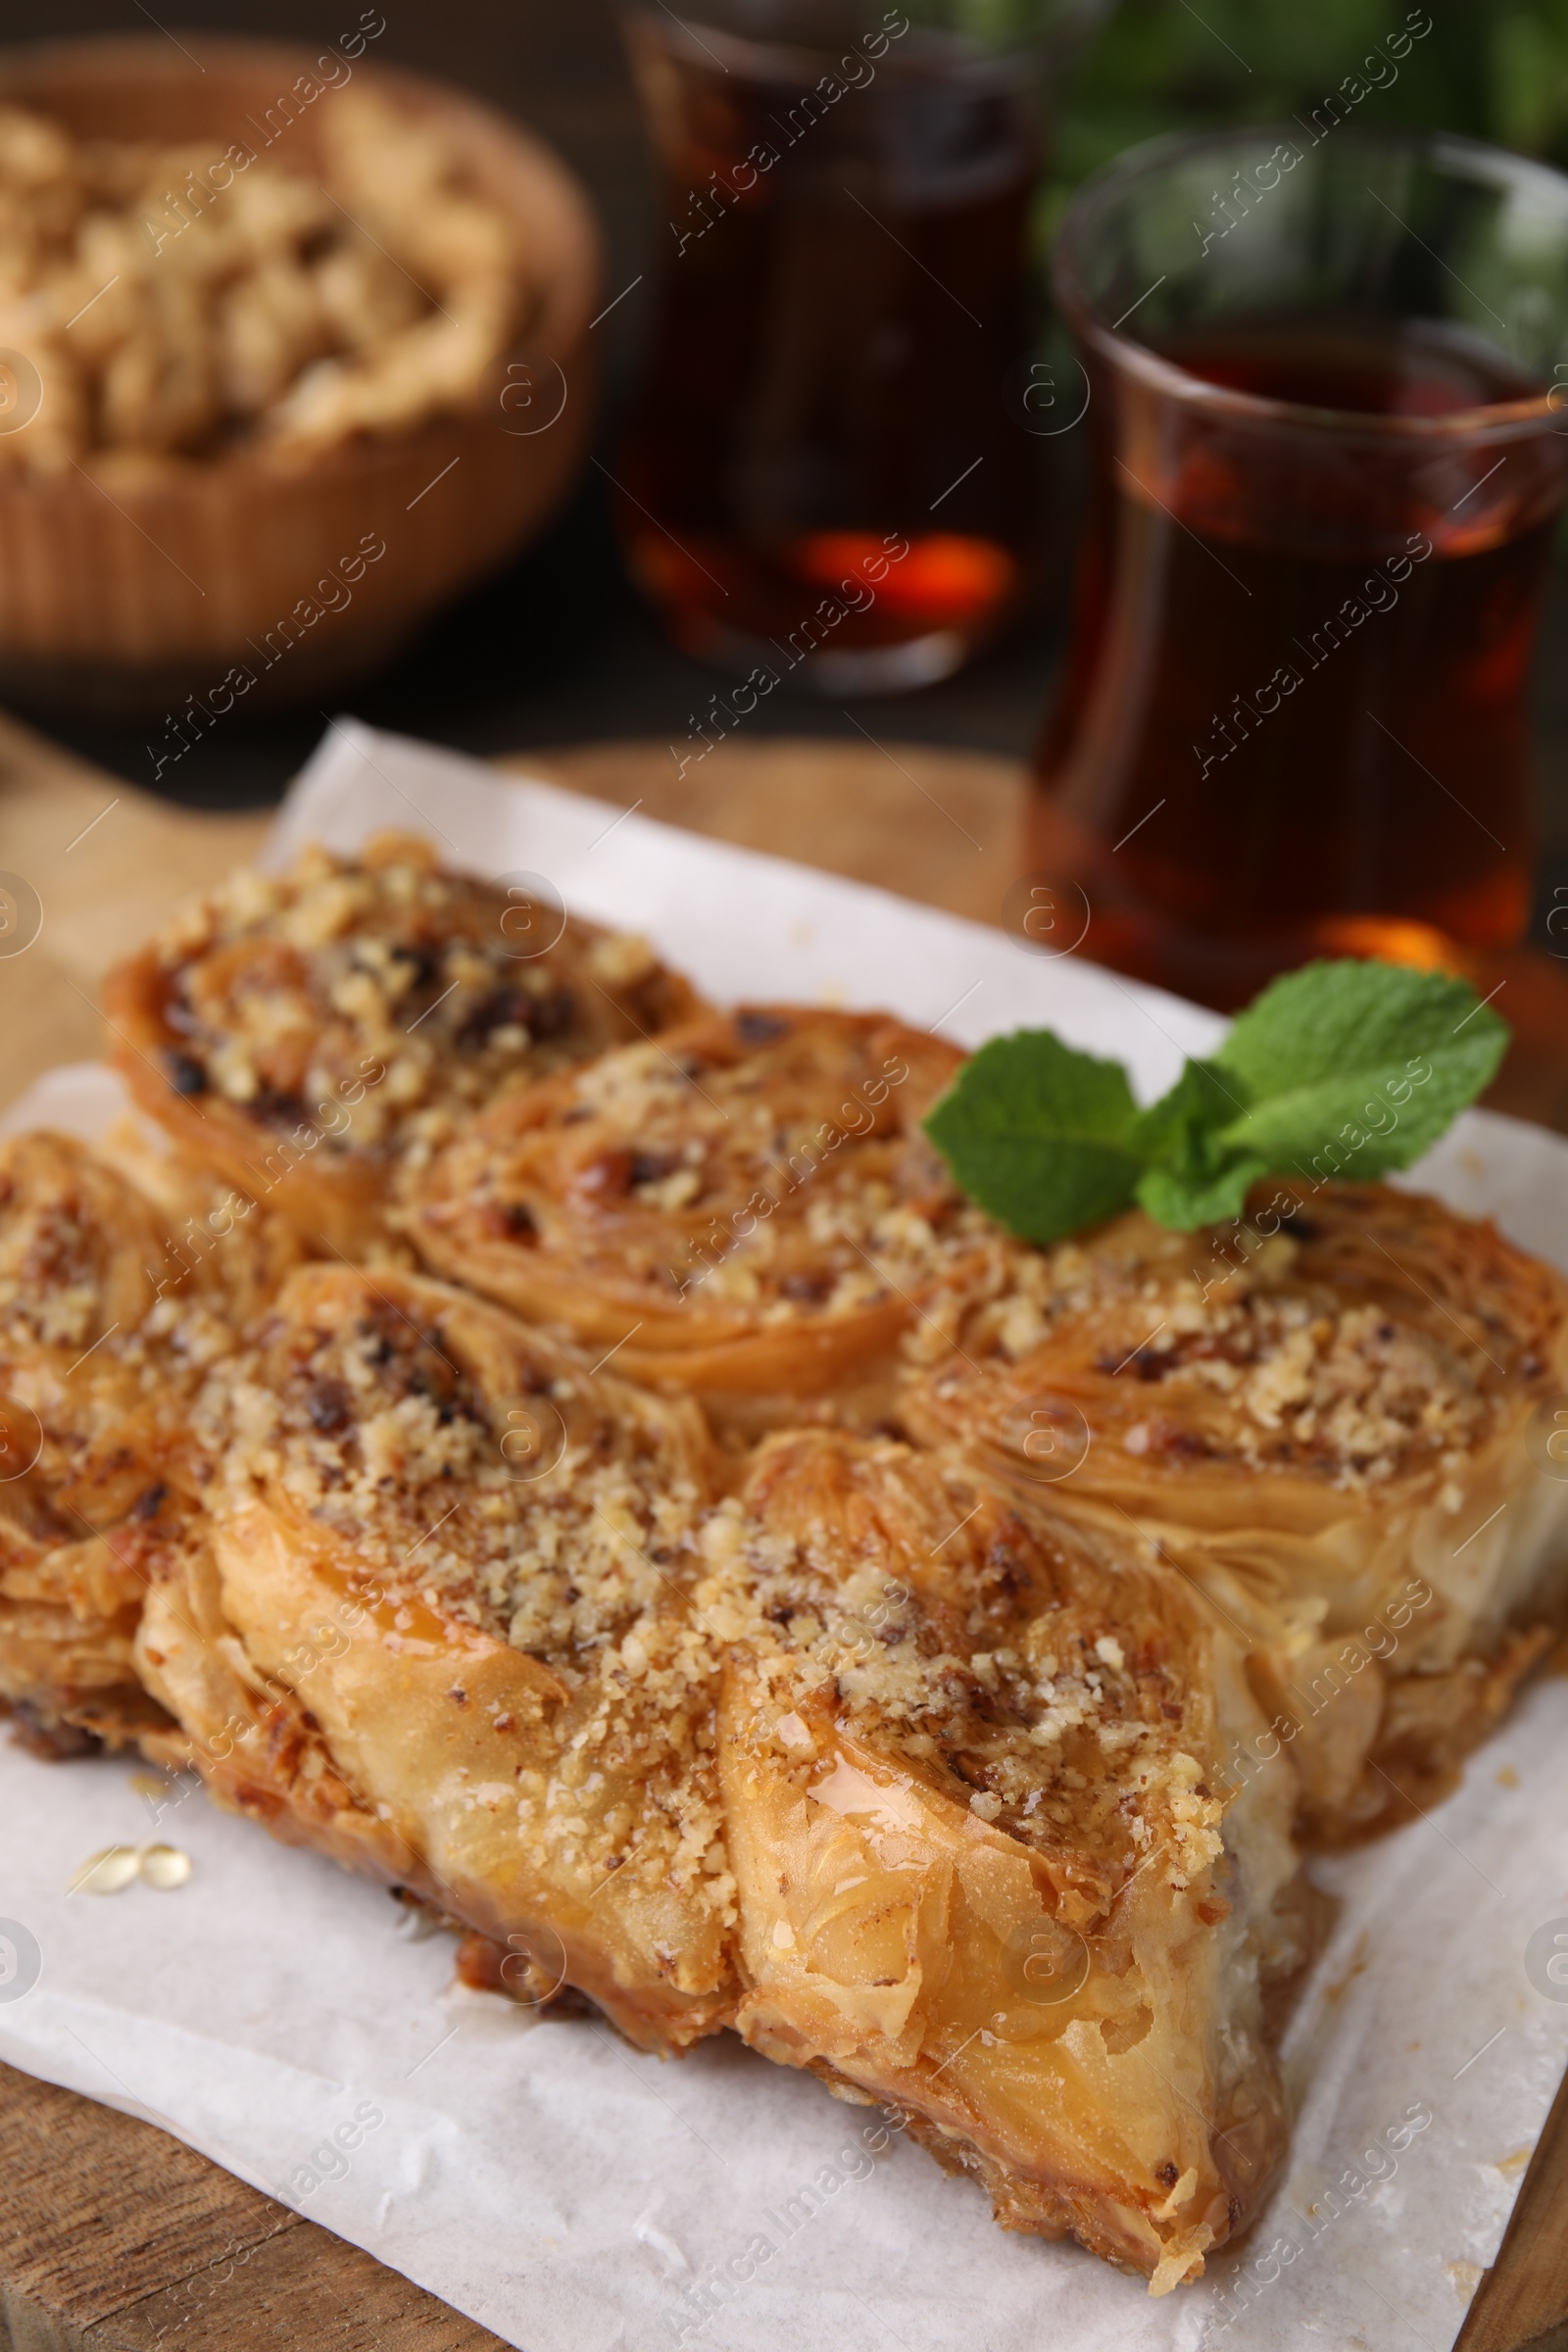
(987, 1869)
(311, 1036)
(113, 1308)
(437, 1624)
(904, 1781)
(1329, 1416)
(747, 1208)
(764, 1596)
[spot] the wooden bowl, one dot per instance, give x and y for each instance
(152, 590)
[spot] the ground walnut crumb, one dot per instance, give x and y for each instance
(378, 1001)
(1333, 1349)
(903, 1598)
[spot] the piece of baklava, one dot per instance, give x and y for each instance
(438, 1625)
(747, 1208)
(912, 1786)
(307, 1035)
(1331, 1417)
(970, 1758)
(114, 1306)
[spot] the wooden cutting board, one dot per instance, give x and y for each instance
(116, 2237)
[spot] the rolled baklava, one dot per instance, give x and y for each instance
(113, 1308)
(908, 1783)
(1330, 1416)
(987, 1871)
(438, 1624)
(747, 1208)
(306, 1036)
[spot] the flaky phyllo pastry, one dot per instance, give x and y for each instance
(746, 1208)
(436, 1623)
(743, 1587)
(971, 1762)
(310, 1036)
(1323, 1417)
(910, 1784)
(112, 1315)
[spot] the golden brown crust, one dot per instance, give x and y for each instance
(747, 1208)
(467, 1561)
(967, 1786)
(1427, 1725)
(113, 1310)
(1365, 1339)
(603, 1711)
(1322, 1416)
(255, 1744)
(595, 1709)
(69, 1611)
(306, 1035)
(972, 1768)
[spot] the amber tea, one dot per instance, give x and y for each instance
(1312, 740)
(820, 473)
(1292, 718)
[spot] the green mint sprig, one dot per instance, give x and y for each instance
(1343, 1069)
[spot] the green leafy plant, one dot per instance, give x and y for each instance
(1494, 69)
(1344, 1070)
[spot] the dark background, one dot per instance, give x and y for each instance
(560, 650)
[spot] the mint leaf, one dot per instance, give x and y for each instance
(1357, 1067)
(1342, 1069)
(1040, 1136)
(1179, 1130)
(1184, 1201)
(1194, 1176)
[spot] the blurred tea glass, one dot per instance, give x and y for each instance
(1324, 379)
(821, 460)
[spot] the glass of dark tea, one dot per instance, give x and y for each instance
(1324, 369)
(821, 475)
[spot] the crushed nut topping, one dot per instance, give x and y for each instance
(377, 1000)
(1350, 1351)
(760, 1169)
(988, 1662)
(560, 1516)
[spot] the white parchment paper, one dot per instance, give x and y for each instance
(576, 2197)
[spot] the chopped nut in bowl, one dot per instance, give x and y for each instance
(292, 349)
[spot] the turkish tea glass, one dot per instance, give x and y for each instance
(1323, 370)
(822, 474)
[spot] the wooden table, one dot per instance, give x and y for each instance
(110, 863)
(111, 2234)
